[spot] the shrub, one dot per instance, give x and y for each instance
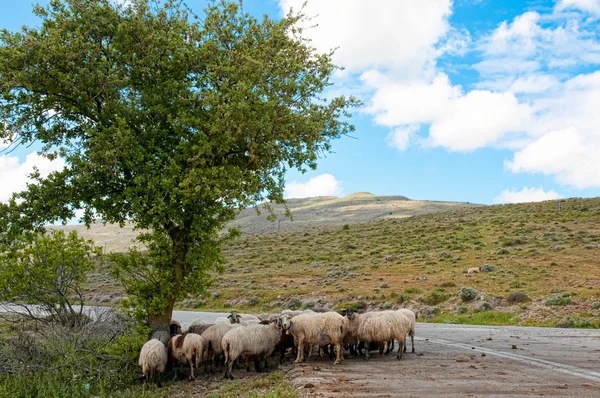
(485, 306)
(385, 306)
(293, 303)
(559, 299)
(467, 294)
(436, 297)
(384, 285)
(488, 268)
(402, 298)
(413, 290)
(518, 297)
(596, 305)
(461, 309)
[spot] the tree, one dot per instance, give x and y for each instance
(43, 276)
(169, 124)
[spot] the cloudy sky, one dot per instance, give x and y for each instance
(468, 100)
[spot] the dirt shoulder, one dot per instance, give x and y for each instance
(465, 364)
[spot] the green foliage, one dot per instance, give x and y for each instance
(518, 297)
(385, 306)
(413, 290)
(47, 271)
(559, 299)
(461, 309)
(273, 385)
(435, 297)
(448, 284)
(467, 294)
(494, 318)
(169, 124)
(596, 305)
(487, 268)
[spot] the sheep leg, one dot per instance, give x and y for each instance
(401, 344)
(340, 354)
(300, 356)
(367, 347)
(189, 359)
(282, 354)
(412, 341)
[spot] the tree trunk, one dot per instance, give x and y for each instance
(180, 248)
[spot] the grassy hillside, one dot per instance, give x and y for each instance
(306, 213)
(551, 256)
(421, 261)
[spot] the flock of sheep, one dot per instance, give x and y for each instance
(249, 337)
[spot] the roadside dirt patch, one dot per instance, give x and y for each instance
(434, 371)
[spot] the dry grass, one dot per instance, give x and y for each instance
(422, 259)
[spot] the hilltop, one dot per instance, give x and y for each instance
(306, 213)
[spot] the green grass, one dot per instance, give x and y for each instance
(489, 318)
(273, 385)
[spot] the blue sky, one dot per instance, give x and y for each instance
(468, 100)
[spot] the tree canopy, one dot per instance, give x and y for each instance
(171, 123)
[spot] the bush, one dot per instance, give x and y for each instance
(488, 268)
(596, 305)
(467, 294)
(413, 290)
(518, 297)
(385, 306)
(485, 306)
(293, 303)
(436, 297)
(559, 299)
(461, 309)
(403, 298)
(448, 284)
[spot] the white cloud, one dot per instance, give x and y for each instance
(567, 154)
(533, 41)
(526, 195)
(591, 6)
(400, 137)
(321, 185)
(478, 119)
(388, 34)
(13, 174)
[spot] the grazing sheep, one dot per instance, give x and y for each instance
(378, 327)
(252, 340)
(174, 328)
(198, 328)
(412, 317)
(153, 358)
(189, 345)
(242, 319)
(296, 313)
(212, 342)
(319, 329)
(163, 335)
(473, 270)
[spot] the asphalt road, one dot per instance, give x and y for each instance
(460, 361)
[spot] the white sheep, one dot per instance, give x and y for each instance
(378, 327)
(242, 319)
(153, 358)
(212, 342)
(319, 329)
(412, 317)
(473, 270)
(252, 340)
(191, 346)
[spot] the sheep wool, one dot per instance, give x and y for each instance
(319, 329)
(257, 340)
(191, 346)
(153, 358)
(379, 327)
(410, 315)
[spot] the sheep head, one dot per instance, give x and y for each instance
(350, 313)
(285, 321)
(234, 317)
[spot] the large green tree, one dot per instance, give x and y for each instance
(168, 120)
